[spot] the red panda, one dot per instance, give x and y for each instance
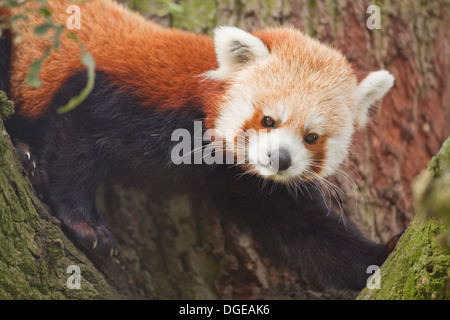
(251, 89)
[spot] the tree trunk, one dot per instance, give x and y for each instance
(178, 248)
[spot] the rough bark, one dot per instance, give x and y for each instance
(178, 248)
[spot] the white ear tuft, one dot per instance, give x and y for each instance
(370, 90)
(235, 48)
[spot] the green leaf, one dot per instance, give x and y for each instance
(72, 36)
(42, 29)
(32, 78)
(33, 75)
(89, 62)
(59, 29)
(45, 12)
(19, 16)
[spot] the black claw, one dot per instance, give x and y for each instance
(29, 163)
(90, 237)
(25, 156)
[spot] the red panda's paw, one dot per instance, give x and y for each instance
(93, 238)
(26, 157)
(29, 163)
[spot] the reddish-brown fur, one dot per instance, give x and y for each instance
(159, 66)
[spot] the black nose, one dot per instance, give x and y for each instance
(284, 160)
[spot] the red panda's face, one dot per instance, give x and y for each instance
(292, 105)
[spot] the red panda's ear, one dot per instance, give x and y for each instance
(235, 48)
(369, 90)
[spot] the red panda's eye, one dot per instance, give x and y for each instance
(268, 122)
(311, 138)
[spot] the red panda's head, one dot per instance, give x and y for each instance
(291, 104)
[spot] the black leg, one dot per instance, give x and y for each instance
(71, 170)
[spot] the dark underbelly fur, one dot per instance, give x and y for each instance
(110, 130)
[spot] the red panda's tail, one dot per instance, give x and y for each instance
(5, 48)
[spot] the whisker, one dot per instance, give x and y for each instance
(191, 152)
(354, 186)
(333, 190)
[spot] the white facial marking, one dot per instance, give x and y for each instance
(336, 151)
(237, 110)
(315, 123)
